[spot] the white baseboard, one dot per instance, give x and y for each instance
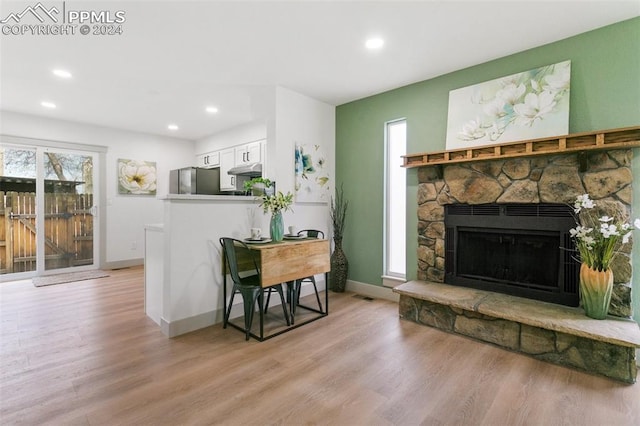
(121, 264)
(187, 325)
(375, 291)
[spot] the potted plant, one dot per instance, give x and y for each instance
(259, 186)
(339, 262)
(598, 238)
(274, 203)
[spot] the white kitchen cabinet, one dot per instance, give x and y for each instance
(249, 153)
(227, 161)
(208, 160)
(254, 152)
(232, 157)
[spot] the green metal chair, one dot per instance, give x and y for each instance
(249, 287)
(309, 233)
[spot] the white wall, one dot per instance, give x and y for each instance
(239, 135)
(304, 120)
(124, 216)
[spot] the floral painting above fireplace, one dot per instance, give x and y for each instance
(529, 105)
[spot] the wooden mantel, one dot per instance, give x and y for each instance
(578, 142)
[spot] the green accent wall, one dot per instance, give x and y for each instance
(605, 94)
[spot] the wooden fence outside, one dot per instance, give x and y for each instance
(68, 228)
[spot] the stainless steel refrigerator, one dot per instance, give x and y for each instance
(194, 180)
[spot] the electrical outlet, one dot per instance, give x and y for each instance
(134, 245)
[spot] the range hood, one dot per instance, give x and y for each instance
(251, 169)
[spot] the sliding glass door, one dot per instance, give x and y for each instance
(68, 209)
(49, 202)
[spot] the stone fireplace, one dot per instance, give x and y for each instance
(605, 176)
(522, 321)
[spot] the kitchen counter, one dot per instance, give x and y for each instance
(197, 197)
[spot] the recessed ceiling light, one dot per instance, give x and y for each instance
(172, 127)
(211, 109)
(48, 104)
(62, 73)
(374, 43)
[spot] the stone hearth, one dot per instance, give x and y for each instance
(545, 331)
(549, 332)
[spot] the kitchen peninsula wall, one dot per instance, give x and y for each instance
(187, 287)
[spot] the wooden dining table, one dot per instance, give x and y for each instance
(284, 262)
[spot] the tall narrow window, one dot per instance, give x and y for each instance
(395, 199)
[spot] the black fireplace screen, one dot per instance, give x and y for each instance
(524, 250)
(519, 259)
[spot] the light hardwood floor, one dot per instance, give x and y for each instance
(84, 353)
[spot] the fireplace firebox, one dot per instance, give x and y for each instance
(519, 249)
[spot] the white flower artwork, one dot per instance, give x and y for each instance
(136, 177)
(529, 105)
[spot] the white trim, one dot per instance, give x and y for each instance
(40, 213)
(121, 264)
(32, 142)
(187, 325)
(390, 281)
(387, 190)
(375, 291)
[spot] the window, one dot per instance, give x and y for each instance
(395, 199)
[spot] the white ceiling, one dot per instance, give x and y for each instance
(176, 57)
